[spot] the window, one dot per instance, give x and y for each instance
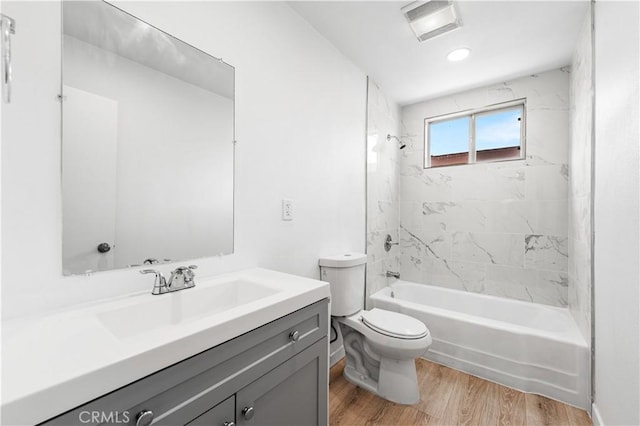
(494, 133)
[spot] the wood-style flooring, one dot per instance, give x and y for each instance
(449, 397)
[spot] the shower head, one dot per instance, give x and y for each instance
(402, 144)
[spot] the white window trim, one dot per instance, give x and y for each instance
(472, 113)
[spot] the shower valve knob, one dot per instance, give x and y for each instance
(388, 242)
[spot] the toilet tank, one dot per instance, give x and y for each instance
(345, 275)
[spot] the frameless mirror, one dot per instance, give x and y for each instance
(147, 144)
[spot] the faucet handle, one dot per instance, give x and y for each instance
(189, 275)
(183, 275)
(185, 268)
(159, 284)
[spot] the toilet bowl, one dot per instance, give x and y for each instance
(380, 346)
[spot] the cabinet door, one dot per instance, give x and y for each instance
(294, 393)
(222, 414)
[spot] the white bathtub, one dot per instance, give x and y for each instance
(526, 346)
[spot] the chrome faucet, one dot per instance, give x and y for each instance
(181, 278)
(395, 275)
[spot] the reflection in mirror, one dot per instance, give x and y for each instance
(147, 146)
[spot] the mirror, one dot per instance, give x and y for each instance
(147, 144)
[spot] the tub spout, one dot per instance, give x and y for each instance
(395, 275)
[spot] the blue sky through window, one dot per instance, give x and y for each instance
(450, 136)
(498, 130)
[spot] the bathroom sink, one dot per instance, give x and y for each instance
(152, 312)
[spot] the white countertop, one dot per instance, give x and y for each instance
(56, 362)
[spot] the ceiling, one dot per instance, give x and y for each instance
(507, 39)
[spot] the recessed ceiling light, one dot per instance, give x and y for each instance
(458, 54)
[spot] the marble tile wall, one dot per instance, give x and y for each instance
(580, 228)
(383, 117)
(492, 228)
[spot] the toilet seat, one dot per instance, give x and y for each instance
(394, 324)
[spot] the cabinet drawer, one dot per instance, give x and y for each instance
(181, 392)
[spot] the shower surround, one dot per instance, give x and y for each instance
(493, 228)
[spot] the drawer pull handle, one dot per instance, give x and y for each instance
(229, 424)
(144, 418)
(247, 413)
(294, 336)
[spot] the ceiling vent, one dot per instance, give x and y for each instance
(432, 18)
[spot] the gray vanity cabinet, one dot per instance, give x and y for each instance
(288, 395)
(276, 374)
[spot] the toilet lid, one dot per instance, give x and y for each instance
(394, 324)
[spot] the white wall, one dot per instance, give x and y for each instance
(617, 214)
(300, 122)
(493, 228)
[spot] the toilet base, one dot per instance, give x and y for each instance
(353, 376)
(398, 381)
(393, 379)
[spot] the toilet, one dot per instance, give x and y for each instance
(380, 346)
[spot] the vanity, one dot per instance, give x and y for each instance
(238, 349)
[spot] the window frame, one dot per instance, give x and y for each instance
(472, 114)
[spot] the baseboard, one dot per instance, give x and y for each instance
(595, 415)
(336, 356)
